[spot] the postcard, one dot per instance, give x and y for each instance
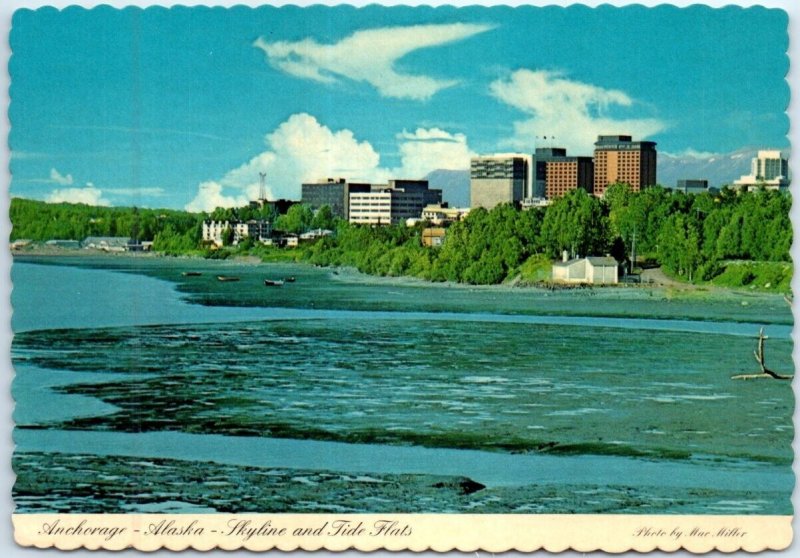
(479, 278)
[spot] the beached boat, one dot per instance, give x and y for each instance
(271, 283)
(191, 274)
(226, 278)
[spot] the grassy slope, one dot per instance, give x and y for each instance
(536, 269)
(775, 277)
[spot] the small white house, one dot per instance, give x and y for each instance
(593, 270)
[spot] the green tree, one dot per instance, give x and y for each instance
(297, 220)
(323, 218)
(575, 223)
(679, 246)
(228, 236)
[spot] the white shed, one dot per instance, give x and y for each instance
(593, 270)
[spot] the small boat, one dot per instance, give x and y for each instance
(191, 274)
(226, 278)
(288, 279)
(271, 283)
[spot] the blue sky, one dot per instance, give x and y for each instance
(182, 108)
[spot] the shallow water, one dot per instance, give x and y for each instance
(649, 398)
(489, 468)
(341, 289)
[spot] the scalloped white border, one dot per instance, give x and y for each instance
(439, 532)
(9, 548)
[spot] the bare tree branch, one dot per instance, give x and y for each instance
(759, 356)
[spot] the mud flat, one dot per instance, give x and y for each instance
(530, 396)
(86, 483)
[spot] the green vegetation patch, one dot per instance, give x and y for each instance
(536, 269)
(760, 276)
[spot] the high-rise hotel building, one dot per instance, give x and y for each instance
(557, 174)
(618, 159)
(496, 179)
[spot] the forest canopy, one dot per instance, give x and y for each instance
(689, 235)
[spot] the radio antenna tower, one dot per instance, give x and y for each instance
(262, 189)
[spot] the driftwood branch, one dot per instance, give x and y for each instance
(759, 356)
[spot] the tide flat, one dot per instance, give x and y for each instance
(331, 378)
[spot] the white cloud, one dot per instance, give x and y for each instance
(430, 149)
(574, 112)
(370, 56)
(59, 178)
(302, 149)
(307, 149)
(209, 196)
(88, 195)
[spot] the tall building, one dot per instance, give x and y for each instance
(333, 192)
(619, 159)
(502, 178)
(769, 169)
(557, 174)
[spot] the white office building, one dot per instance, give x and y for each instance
(385, 207)
(769, 169)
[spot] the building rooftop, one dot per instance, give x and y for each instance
(594, 260)
(622, 142)
(551, 152)
(602, 260)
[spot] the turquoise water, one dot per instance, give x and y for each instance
(553, 392)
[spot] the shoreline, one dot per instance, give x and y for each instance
(669, 286)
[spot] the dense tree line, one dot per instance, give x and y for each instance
(170, 230)
(690, 235)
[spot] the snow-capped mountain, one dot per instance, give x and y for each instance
(718, 168)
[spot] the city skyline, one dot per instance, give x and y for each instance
(183, 108)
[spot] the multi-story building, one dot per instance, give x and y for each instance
(258, 229)
(557, 174)
(430, 196)
(392, 203)
(618, 159)
(501, 178)
(333, 192)
(388, 206)
(769, 169)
